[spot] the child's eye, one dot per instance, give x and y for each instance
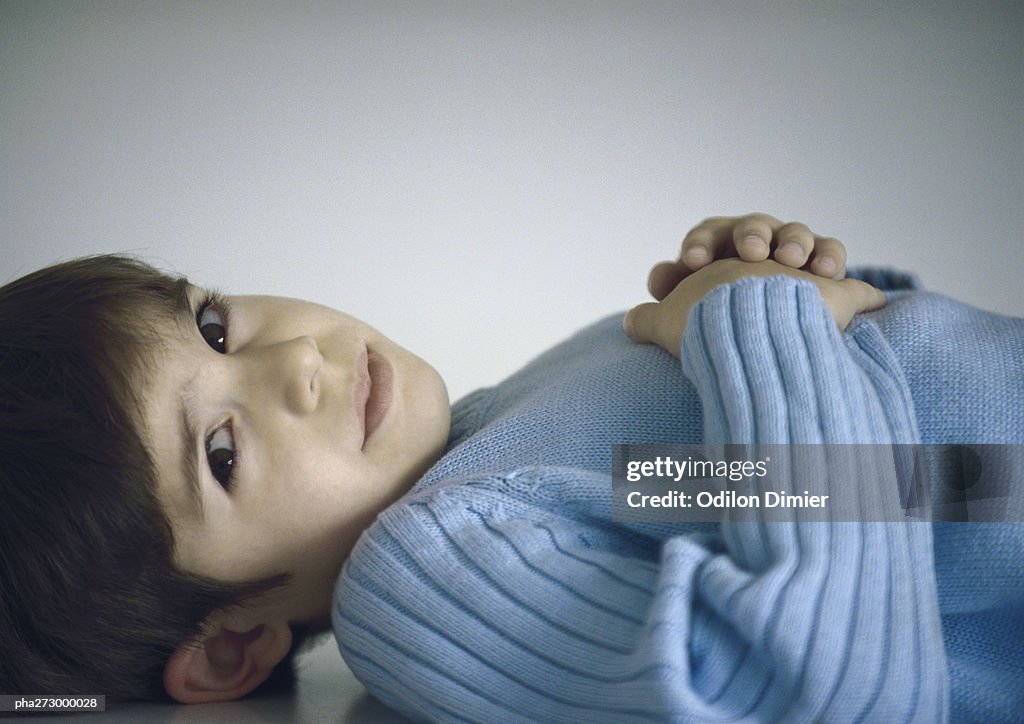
(212, 320)
(220, 455)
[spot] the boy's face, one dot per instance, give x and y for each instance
(279, 429)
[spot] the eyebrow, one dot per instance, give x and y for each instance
(187, 427)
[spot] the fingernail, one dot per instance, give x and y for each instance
(792, 250)
(754, 242)
(696, 254)
(627, 324)
(827, 264)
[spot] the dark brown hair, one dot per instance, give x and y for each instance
(90, 598)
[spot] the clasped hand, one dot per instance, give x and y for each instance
(724, 249)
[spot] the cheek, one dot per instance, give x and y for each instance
(321, 519)
(321, 495)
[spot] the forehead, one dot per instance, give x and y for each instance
(163, 401)
(149, 322)
(160, 325)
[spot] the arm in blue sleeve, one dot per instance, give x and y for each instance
(848, 610)
(517, 597)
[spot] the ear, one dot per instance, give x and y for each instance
(224, 664)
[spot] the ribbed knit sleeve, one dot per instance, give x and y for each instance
(848, 610)
(516, 597)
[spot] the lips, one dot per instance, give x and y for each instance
(372, 391)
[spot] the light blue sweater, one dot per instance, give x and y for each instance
(501, 589)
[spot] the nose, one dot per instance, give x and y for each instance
(293, 367)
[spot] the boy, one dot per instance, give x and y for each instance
(259, 438)
(505, 587)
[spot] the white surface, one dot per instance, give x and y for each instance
(326, 692)
(479, 179)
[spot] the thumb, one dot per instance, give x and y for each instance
(855, 297)
(864, 296)
(647, 323)
(875, 298)
(639, 322)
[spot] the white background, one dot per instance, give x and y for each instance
(480, 179)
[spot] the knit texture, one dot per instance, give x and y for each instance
(500, 588)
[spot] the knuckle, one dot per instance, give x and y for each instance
(761, 218)
(706, 227)
(697, 235)
(831, 244)
(750, 226)
(795, 231)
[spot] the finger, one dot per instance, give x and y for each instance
(828, 258)
(706, 242)
(664, 277)
(794, 243)
(863, 296)
(703, 243)
(752, 236)
(639, 322)
(642, 325)
(855, 297)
